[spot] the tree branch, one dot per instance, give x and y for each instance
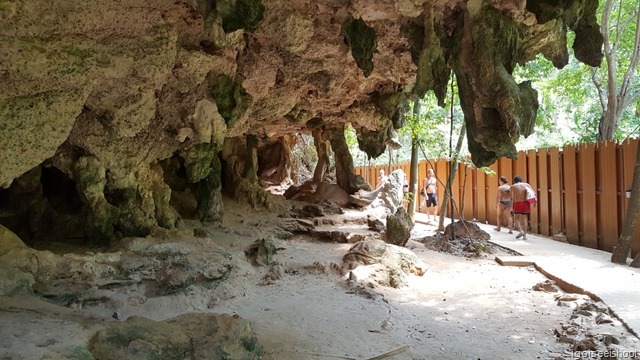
(598, 85)
(610, 56)
(628, 75)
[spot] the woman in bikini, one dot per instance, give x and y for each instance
(503, 204)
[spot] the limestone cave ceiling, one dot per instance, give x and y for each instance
(132, 81)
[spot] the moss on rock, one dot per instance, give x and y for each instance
(240, 14)
(393, 106)
(362, 40)
(372, 142)
(579, 16)
(204, 169)
(497, 109)
(100, 216)
(197, 161)
(429, 55)
(209, 193)
(231, 98)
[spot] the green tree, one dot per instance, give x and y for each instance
(618, 87)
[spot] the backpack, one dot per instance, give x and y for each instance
(531, 195)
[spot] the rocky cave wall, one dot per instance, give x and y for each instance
(116, 117)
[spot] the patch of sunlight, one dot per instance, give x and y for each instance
(430, 303)
(344, 247)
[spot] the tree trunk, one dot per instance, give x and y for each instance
(322, 148)
(413, 169)
(619, 255)
(617, 99)
(452, 175)
(636, 262)
(413, 178)
(464, 186)
(345, 175)
(607, 126)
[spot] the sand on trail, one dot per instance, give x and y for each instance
(462, 308)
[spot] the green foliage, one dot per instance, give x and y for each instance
(430, 126)
(569, 105)
(351, 137)
(304, 152)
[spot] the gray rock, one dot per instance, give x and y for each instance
(195, 336)
(399, 227)
(392, 264)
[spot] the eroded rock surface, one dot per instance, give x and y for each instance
(390, 264)
(141, 108)
(197, 336)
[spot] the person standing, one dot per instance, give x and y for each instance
(503, 204)
(521, 207)
(429, 188)
(382, 178)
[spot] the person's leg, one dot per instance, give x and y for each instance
(509, 221)
(500, 212)
(435, 206)
(525, 225)
(518, 220)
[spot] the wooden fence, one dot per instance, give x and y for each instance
(581, 189)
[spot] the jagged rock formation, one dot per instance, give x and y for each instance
(114, 114)
(389, 195)
(391, 263)
(199, 336)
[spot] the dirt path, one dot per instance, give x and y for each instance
(461, 308)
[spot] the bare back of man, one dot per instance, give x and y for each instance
(520, 206)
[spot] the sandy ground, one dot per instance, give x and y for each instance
(460, 309)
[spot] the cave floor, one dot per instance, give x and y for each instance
(462, 308)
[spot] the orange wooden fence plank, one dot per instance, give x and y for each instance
(608, 202)
(570, 186)
(505, 168)
(629, 151)
(555, 191)
(467, 184)
(422, 172)
(519, 166)
(543, 185)
(532, 178)
(588, 218)
(481, 195)
(473, 176)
